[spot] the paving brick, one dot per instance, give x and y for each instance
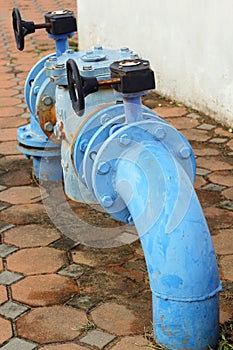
(19, 344)
(6, 331)
(1, 265)
(212, 163)
(3, 294)
(8, 134)
(17, 177)
(101, 257)
(29, 236)
(223, 242)
(116, 319)
(183, 123)
(222, 132)
(168, 112)
(8, 277)
(51, 324)
(226, 266)
(206, 151)
(21, 195)
(36, 260)
(9, 147)
(97, 338)
(218, 218)
(230, 144)
(84, 302)
(228, 193)
(133, 343)
(10, 112)
(66, 346)
(11, 122)
(224, 178)
(196, 135)
(8, 101)
(199, 182)
(12, 309)
(6, 249)
(44, 290)
(24, 214)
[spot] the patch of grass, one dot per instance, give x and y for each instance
(87, 327)
(73, 45)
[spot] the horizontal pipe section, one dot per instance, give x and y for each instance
(179, 253)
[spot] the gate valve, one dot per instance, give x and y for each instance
(127, 76)
(56, 23)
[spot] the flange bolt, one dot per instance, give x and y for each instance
(48, 126)
(103, 168)
(107, 201)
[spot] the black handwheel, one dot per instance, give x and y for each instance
(84, 86)
(18, 29)
(74, 79)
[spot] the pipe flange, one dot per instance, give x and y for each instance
(88, 129)
(130, 136)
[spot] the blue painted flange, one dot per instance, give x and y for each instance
(134, 136)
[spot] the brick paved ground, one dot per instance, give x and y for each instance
(55, 294)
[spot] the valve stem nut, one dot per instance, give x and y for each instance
(47, 100)
(107, 201)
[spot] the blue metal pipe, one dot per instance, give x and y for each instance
(179, 253)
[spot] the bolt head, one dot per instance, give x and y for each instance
(83, 145)
(159, 133)
(107, 201)
(124, 140)
(48, 126)
(47, 100)
(185, 152)
(130, 221)
(103, 168)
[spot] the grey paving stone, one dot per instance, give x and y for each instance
(213, 187)
(17, 79)
(19, 344)
(202, 172)
(226, 205)
(206, 127)
(218, 140)
(3, 205)
(97, 338)
(194, 115)
(84, 302)
(8, 277)
(2, 188)
(6, 249)
(4, 226)
(127, 238)
(73, 270)
(18, 87)
(25, 115)
(64, 244)
(22, 105)
(20, 96)
(12, 309)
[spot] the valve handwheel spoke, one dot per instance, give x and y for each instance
(75, 80)
(18, 29)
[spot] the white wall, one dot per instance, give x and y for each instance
(188, 42)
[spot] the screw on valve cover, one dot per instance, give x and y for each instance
(56, 23)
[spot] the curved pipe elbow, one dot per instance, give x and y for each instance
(177, 245)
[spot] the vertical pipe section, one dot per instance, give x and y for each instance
(177, 246)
